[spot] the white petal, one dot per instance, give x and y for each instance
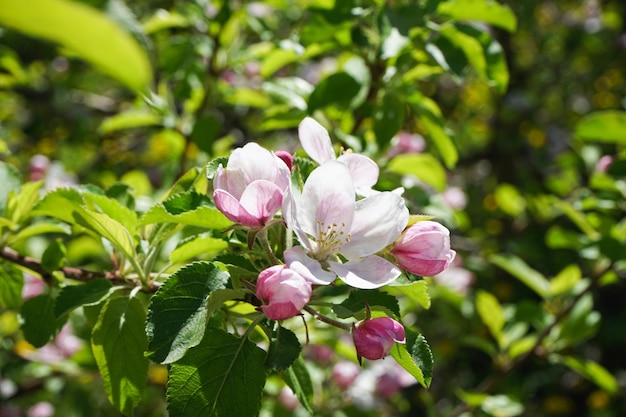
(367, 273)
(315, 141)
(297, 260)
(256, 162)
(378, 221)
(327, 199)
(364, 171)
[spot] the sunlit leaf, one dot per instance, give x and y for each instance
(487, 11)
(424, 167)
(297, 377)
(207, 247)
(520, 270)
(11, 283)
(129, 120)
(491, 313)
(608, 126)
(84, 31)
(416, 292)
(591, 370)
(415, 357)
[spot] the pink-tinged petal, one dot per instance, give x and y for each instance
(284, 291)
(327, 199)
(255, 161)
(286, 157)
(374, 338)
(233, 210)
(378, 222)
(297, 260)
(291, 219)
(367, 273)
(364, 171)
(283, 171)
(315, 141)
(424, 249)
(262, 199)
(232, 181)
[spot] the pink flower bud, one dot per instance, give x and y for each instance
(374, 338)
(250, 190)
(424, 249)
(284, 292)
(286, 157)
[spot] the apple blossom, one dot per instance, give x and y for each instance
(345, 372)
(374, 338)
(424, 248)
(283, 291)
(329, 221)
(316, 143)
(250, 190)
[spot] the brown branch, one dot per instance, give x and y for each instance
(69, 272)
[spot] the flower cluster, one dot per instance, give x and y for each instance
(344, 228)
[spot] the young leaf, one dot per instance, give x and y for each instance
(84, 31)
(118, 342)
(284, 350)
(607, 126)
(487, 11)
(298, 379)
(11, 283)
(222, 376)
(416, 292)
(196, 246)
(115, 210)
(591, 370)
(38, 321)
(415, 357)
(105, 226)
(520, 270)
(491, 313)
(74, 296)
(177, 314)
(10, 181)
(19, 207)
(53, 257)
(38, 229)
(423, 166)
(565, 280)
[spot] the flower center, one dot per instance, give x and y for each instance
(330, 239)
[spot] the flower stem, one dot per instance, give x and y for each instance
(265, 244)
(326, 319)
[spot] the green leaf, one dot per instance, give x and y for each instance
(11, 284)
(38, 321)
(520, 270)
(177, 314)
(53, 258)
(277, 59)
(565, 280)
(591, 370)
(298, 379)
(188, 209)
(471, 47)
(606, 126)
(86, 32)
(118, 341)
(222, 376)
(501, 406)
(284, 349)
(377, 300)
(105, 226)
(491, 313)
(416, 292)
(415, 357)
(114, 209)
(38, 229)
(389, 116)
(60, 203)
(337, 89)
(443, 142)
(422, 166)
(20, 205)
(487, 11)
(74, 296)
(128, 120)
(196, 246)
(10, 181)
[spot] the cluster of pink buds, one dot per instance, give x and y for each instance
(344, 229)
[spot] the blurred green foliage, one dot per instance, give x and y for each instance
(519, 105)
